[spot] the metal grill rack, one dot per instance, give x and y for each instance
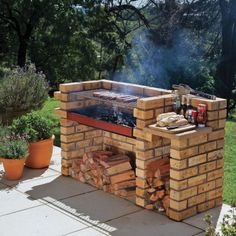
(89, 94)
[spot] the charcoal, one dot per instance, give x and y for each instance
(108, 114)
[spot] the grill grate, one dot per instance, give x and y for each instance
(89, 94)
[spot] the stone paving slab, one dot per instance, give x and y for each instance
(53, 188)
(42, 220)
(45, 203)
(97, 206)
(55, 163)
(29, 175)
(147, 222)
(2, 186)
(87, 232)
(13, 201)
(216, 213)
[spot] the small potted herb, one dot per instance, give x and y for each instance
(13, 153)
(40, 138)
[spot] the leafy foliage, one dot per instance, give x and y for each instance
(227, 227)
(12, 146)
(35, 126)
(22, 89)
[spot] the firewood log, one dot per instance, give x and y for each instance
(151, 190)
(160, 194)
(166, 202)
(121, 167)
(128, 175)
(154, 197)
(125, 184)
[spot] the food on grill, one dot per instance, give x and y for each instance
(119, 97)
(171, 119)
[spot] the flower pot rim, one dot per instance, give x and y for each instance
(44, 140)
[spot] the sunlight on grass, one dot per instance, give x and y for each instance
(48, 112)
(230, 162)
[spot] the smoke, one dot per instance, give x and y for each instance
(152, 64)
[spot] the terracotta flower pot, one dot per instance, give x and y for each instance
(40, 154)
(13, 168)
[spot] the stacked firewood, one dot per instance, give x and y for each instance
(157, 195)
(112, 173)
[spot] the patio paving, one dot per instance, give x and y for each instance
(45, 203)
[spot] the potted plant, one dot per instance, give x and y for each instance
(13, 153)
(40, 138)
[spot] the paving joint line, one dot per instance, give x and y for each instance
(15, 212)
(193, 226)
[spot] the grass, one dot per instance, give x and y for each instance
(230, 162)
(48, 112)
(230, 149)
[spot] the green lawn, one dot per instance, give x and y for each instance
(230, 148)
(230, 162)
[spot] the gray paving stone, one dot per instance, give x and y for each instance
(217, 216)
(2, 186)
(56, 151)
(12, 201)
(54, 188)
(55, 163)
(87, 232)
(201, 234)
(149, 223)
(56, 167)
(39, 221)
(29, 175)
(97, 206)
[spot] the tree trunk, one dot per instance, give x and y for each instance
(226, 69)
(22, 50)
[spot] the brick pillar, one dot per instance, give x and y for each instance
(149, 147)
(197, 163)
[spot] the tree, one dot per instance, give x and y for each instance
(225, 78)
(23, 17)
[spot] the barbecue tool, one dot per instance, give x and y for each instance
(185, 89)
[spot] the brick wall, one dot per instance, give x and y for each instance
(196, 158)
(149, 147)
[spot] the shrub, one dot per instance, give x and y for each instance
(22, 90)
(12, 146)
(34, 126)
(227, 227)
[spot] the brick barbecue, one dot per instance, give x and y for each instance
(184, 170)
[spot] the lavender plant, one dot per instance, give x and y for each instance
(22, 90)
(12, 146)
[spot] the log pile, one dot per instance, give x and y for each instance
(104, 170)
(157, 194)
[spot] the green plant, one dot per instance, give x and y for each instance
(35, 126)
(22, 90)
(12, 146)
(227, 227)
